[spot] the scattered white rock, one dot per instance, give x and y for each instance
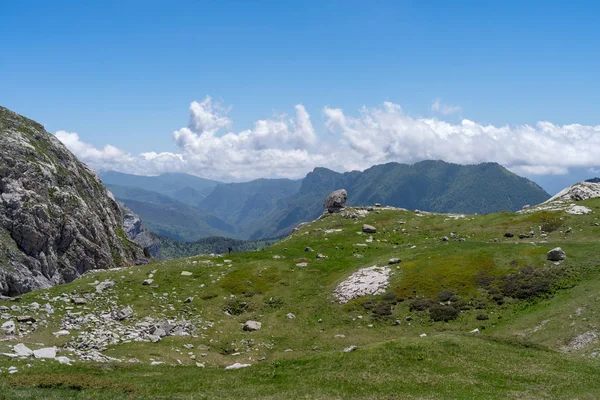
(63, 360)
(291, 316)
(578, 210)
(22, 351)
(63, 332)
(350, 349)
(252, 326)
(423, 335)
(186, 273)
(476, 330)
(45, 352)
(237, 366)
(581, 341)
(302, 265)
(9, 327)
(104, 285)
(364, 282)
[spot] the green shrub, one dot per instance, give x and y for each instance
(439, 312)
(420, 304)
(273, 303)
(389, 296)
(236, 306)
(445, 295)
(482, 317)
(208, 296)
(528, 283)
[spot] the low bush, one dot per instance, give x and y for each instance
(445, 295)
(421, 304)
(528, 283)
(439, 312)
(236, 306)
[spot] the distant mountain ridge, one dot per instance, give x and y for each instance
(267, 208)
(435, 186)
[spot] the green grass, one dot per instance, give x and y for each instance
(509, 359)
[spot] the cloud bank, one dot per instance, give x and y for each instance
(288, 146)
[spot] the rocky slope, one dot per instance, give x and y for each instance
(132, 224)
(57, 220)
(566, 199)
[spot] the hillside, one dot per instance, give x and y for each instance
(434, 186)
(245, 204)
(457, 306)
(57, 220)
(267, 208)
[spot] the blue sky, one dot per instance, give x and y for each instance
(125, 73)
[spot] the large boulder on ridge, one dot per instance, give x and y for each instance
(336, 201)
(57, 220)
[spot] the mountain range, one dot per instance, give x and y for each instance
(188, 208)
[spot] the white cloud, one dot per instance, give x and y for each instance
(444, 109)
(289, 146)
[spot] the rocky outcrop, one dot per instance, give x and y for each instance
(132, 224)
(565, 200)
(364, 282)
(57, 220)
(578, 192)
(336, 201)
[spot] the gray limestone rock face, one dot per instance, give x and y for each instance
(132, 224)
(57, 220)
(336, 201)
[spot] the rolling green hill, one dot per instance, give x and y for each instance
(465, 312)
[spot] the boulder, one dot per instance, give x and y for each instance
(78, 301)
(46, 352)
(394, 261)
(9, 327)
(556, 254)
(369, 229)
(508, 235)
(124, 313)
(252, 326)
(336, 201)
(22, 351)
